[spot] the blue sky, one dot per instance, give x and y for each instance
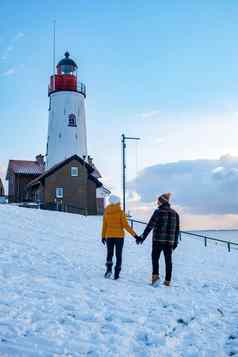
(164, 71)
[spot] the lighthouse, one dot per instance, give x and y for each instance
(67, 134)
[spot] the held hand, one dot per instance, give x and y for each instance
(103, 241)
(139, 240)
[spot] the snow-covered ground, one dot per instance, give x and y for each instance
(54, 300)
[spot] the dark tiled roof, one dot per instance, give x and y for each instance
(96, 173)
(94, 179)
(24, 167)
(37, 180)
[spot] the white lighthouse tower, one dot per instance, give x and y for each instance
(67, 122)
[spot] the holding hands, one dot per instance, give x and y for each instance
(175, 245)
(139, 239)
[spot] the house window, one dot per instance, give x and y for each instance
(74, 171)
(72, 120)
(59, 192)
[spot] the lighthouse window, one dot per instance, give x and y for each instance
(72, 120)
(74, 171)
(67, 69)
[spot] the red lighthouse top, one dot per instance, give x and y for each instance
(66, 77)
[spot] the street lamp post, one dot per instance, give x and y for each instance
(124, 138)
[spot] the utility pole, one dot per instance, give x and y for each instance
(124, 138)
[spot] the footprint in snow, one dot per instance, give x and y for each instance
(110, 327)
(232, 345)
(149, 339)
(182, 322)
(232, 337)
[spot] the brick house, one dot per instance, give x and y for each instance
(1, 188)
(19, 174)
(69, 186)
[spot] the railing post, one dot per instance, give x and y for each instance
(132, 223)
(205, 241)
(180, 235)
(229, 246)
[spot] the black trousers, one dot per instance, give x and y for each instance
(114, 244)
(157, 248)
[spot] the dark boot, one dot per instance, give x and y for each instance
(108, 272)
(155, 279)
(167, 283)
(116, 274)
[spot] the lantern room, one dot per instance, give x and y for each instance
(67, 65)
(66, 77)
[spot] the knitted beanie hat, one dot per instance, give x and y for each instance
(164, 198)
(114, 200)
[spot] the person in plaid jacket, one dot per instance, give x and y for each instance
(165, 225)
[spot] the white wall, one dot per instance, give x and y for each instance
(73, 140)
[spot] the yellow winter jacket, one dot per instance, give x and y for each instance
(114, 223)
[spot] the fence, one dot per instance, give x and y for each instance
(197, 236)
(71, 209)
(64, 208)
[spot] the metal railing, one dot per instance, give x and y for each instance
(81, 88)
(205, 238)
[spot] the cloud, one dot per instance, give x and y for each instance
(9, 72)
(11, 45)
(133, 197)
(199, 186)
(8, 50)
(153, 114)
(18, 36)
(160, 140)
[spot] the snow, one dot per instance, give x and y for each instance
(54, 300)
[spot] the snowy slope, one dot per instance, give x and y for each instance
(54, 300)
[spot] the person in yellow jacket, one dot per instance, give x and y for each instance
(114, 223)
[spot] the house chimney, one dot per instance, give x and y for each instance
(90, 160)
(40, 159)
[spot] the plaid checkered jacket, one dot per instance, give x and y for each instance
(165, 225)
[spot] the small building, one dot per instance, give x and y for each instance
(19, 174)
(68, 186)
(1, 188)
